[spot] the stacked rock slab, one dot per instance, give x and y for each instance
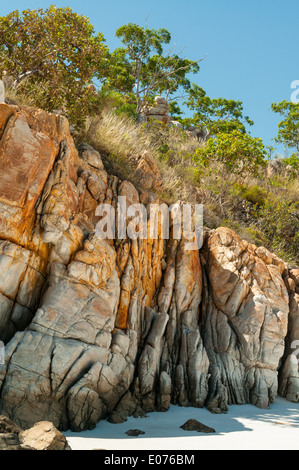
(99, 328)
(159, 111)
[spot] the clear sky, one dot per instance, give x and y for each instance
(252, 46)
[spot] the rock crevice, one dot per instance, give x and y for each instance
(97, 328)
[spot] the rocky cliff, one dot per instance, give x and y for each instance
(108, 328)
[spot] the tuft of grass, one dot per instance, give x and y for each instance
(31, 97)
(18, 98)
(120, 141)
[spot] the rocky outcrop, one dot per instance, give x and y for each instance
(159, 111)
(148, 172)
(42, 436)
(194, 425)
(246, 317)
(97, 328)
(276, 167)
(289, 373)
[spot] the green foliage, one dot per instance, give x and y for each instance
(293, 163)
(288, 128)
(238, 152)
(172, 145)
(144, 67)
(56, 52)
(116, 101)
(175, 111)
(254, 235)
(279, 221)
(272, 218)
(255, 194)
(217, 114)
(229, 157)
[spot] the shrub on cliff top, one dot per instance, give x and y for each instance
(56, 52)
(232, 156)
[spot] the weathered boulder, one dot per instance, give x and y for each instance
(202, 135)
(176, 124)
(43, 436)
(275, 167)
(30, 142)
(194, 425)
(134, 432)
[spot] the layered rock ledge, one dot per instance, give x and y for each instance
(108, 328)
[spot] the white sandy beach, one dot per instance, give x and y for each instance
(242, 428)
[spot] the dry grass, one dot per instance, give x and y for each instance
(116, 135)
(121, 140)
(17, 98)
(23, 97)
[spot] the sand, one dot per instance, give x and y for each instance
(243, 427)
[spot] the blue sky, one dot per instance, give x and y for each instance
(252, 46)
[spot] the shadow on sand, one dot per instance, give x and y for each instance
(164, 425)
(167, 425)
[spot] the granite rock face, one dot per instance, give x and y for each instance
(246, 317)
(97, 328)
(289, 373)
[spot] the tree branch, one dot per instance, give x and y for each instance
(21, 77)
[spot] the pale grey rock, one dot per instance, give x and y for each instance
(91, 156)
(176, 124)
(126, 407)
(120, 343)
(275, 167)
(21, 282)
(2, 92)
(244, 327)
(165, 391)
(289, 372)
